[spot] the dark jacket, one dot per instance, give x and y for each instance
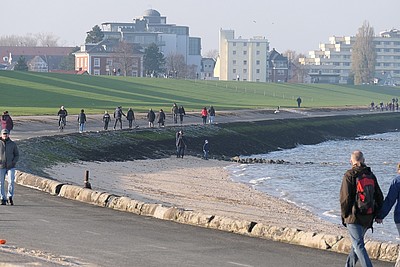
(348, 197)
(393, 196)
(151, 116)
(130, 116)
(106, 117)
(181, 141)
(82, 117)
(9, 154)
(7, 122)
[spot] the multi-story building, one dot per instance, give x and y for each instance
(242, 59)
(331, 63)
(151, 28)
(278, 67)
(207, 69)
(108, 58)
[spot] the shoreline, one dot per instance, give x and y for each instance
(193, 184)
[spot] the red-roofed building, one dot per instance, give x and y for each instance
(40, 59)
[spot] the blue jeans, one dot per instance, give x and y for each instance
(398, 256)
(358, 251)
(10, 180)
(205, 154)
(81, 127)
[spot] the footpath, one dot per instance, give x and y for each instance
(27, 127)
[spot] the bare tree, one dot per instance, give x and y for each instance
(176, 66)
(213, 53)
(39, 39)
(124, 58)
(297, 71)
(47, 39)
(363, 56)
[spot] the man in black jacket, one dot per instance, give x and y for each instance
(9, 156)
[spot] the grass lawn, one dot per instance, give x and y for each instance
(31, 93)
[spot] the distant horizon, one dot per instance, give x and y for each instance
(300, 27)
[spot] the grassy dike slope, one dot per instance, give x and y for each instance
(227, 140)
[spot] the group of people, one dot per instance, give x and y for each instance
(392, 105)
(9, 156)
(181, 145)
(362, 202)
(208, 113)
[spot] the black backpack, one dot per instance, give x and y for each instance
(365, 194)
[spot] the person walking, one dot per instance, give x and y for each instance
(130, 116)
(211, 113)
(360, 200)
(204, 115)
(161, 118)
(7, 122)
(118, 117)
(151, 116)
(298, 102)
(174, 111)
(62, 116)
(206, 149)
(82, 121)
(392, 197)
(180, 145)
(181, 112)
(9, 156)
(106, 120)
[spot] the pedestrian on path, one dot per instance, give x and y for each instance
(130, 116)
(9, 156)
(7, 122)
(118, 117)
(206, 149)
(106, 120)
(82, 121)
(204, 115)
(392, 197)
(355, 216)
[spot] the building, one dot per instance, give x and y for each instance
(38, 59)
(207, 69)
(278, 67)
(110, 57)
(242, 59)
(331, 63)
(151, 28)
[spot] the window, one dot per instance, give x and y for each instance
(234, 52)
(258, 52)
(257, 44)
(244, 70)
(257, 62)
(257, 70)
(234, 43)
(97, 62)
(244, 62)
(244, 44)
(245, 52)
(109, 62)
(96, 72)
(234, 62)
(234, 70)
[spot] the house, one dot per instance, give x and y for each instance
(42, 59)
(278, 67)
(207, 68)
(110, 57)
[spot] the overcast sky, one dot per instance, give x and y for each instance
(298, 25)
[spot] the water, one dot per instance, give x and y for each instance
(312, 179)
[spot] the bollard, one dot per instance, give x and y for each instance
(86, 182)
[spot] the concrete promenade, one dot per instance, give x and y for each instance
(102, 199)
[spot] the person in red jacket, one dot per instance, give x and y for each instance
(6, 121)
(204, 115)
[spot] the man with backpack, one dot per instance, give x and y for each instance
(360, 201)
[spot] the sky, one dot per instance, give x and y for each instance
(287, 24)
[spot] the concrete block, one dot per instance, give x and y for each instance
(373, 248)
(70, 191)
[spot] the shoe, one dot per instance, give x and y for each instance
(3, 202)
(10, 200)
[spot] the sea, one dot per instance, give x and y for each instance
(312, 175)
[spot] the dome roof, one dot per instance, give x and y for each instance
(151, 13)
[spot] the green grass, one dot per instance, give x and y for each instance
(29, 93)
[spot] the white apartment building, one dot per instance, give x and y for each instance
(242, 59)
(331, 63)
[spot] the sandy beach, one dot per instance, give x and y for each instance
(193, 184)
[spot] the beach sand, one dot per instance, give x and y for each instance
(192, 184)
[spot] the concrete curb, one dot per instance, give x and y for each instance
(376, 250)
